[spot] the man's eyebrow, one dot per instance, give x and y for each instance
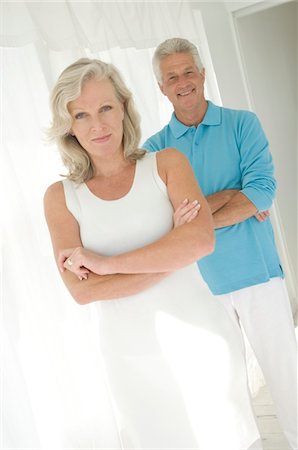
(185, 68)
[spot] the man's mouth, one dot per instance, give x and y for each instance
(185, 93)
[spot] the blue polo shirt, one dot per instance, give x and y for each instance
(229, 150)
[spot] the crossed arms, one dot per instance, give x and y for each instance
(228, 207)
(93, 277)
(231, 206)
(258, 183)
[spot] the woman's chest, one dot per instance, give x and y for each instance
(113, 227)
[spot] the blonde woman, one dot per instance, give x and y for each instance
(175, 370)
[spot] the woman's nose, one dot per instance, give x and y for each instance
(97, 123)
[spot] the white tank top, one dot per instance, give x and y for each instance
(110, 227)
(170, 351)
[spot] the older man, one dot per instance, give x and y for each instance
(230, 156)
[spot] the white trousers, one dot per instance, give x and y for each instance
(265, 314)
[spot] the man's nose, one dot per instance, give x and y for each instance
(182, 80)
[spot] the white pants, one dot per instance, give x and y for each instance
(265, 314)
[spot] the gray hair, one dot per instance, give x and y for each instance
(171, 46)
(68, 88)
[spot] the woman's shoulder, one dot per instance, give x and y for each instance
(54, 192)
(170, 156)
(54, 188)
(168, 161)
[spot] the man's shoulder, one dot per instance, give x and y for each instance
(157, 140)
(239, 119)
(236, 113)
(226, 117)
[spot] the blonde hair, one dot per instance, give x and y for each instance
(171, 46)
(68, 88)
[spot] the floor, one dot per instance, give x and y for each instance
(272, 436)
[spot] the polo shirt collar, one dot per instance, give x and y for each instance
(212, 117)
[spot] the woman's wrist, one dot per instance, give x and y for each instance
(102, 265)
(109, 264)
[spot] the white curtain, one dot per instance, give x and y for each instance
(95, 25)
(54, 392)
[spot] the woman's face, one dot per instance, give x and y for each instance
(97, 119)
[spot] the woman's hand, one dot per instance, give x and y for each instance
(77, 260)
(81, 261)
(186, 212)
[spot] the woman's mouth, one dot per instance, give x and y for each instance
(101, 139)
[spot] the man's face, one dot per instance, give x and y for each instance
(182, 83)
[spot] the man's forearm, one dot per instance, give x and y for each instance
(236, 210)
(219, 199)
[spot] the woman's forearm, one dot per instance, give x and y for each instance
(183, 246)
(180, 247)
(109, 287)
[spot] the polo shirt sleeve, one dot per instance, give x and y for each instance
(152, 144)
(258, 182)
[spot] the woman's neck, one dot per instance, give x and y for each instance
(110, 166)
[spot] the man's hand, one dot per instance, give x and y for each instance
(261, 216)
(186, 212)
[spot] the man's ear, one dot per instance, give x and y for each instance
(203, 73)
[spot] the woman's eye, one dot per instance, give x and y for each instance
(80, 115)
(105, 108)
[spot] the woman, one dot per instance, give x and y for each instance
(175, 371)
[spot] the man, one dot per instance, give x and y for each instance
(230, 156)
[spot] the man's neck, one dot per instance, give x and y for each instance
(193, 118)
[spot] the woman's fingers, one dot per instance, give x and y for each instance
(192, 214)
(74, 266)
(186, 212)
(71, 259)
(62, 257)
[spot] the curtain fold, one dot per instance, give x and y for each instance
(95, 25)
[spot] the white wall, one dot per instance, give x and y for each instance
(223, 49)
